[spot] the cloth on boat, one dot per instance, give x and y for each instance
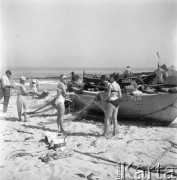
(137, 92)
(22, 104)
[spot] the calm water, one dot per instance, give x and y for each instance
(56, 72)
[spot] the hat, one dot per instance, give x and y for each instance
(34, 81)
(63, 77)
(22, 78)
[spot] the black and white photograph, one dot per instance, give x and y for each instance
(88, 89)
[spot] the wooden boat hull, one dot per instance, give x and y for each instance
(149, 76)
(153, 109)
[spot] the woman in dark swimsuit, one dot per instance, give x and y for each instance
(112, 96)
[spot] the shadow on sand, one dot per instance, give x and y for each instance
(38, 127)
(51, 130)
(13, 119)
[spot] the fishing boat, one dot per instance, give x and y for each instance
(140, 78)
(153, 109)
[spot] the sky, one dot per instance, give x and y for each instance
(88, 33)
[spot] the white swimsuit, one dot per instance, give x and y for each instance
(60, 98)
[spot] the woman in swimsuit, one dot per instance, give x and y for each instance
(112, 96)
(60, 101)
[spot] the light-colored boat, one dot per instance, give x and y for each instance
(171, 80)
(155, 109)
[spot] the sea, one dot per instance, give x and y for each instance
(49, 76)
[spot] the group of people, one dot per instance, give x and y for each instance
(6, 86)
(111, 95)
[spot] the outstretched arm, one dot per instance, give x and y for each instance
(106, 94)
(23, 89)
(119, 93)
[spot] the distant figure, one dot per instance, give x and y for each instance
(34, 86)
(6, 86)
(72, 76)
(95, 75)
(76, 81)
(127, 71)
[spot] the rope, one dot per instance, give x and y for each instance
(160, 157)
(45, 110)
(47, 104)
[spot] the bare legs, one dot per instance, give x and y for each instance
(111, 113)
(106, 119)
(61, 111)
(60, 123)
(20, 118)
(115, 112)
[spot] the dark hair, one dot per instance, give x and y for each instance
(115, 76)
(104, 78)
(72, 73)
(75, 77)
(8, 72)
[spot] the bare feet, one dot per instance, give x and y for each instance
(114, 133)
(105, 135)
(63, 132)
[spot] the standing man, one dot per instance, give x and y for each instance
(6, 85)
(127, 71)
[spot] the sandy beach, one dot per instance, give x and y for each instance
(87, 155)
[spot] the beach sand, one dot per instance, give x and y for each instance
(87, 155)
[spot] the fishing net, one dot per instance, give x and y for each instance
(88, 100)
(85, 101)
